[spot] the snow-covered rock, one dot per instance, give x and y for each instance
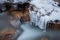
(42, 11)
(23, 1)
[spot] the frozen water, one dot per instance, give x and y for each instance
(44, 11)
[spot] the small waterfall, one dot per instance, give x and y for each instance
(47, 10)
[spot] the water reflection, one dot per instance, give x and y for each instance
(10, 25)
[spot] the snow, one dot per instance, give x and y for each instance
(44, 11)
(14, 1)
(22, 1)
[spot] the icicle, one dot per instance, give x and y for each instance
(47, 10)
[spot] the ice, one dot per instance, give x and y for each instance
(44, 11)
